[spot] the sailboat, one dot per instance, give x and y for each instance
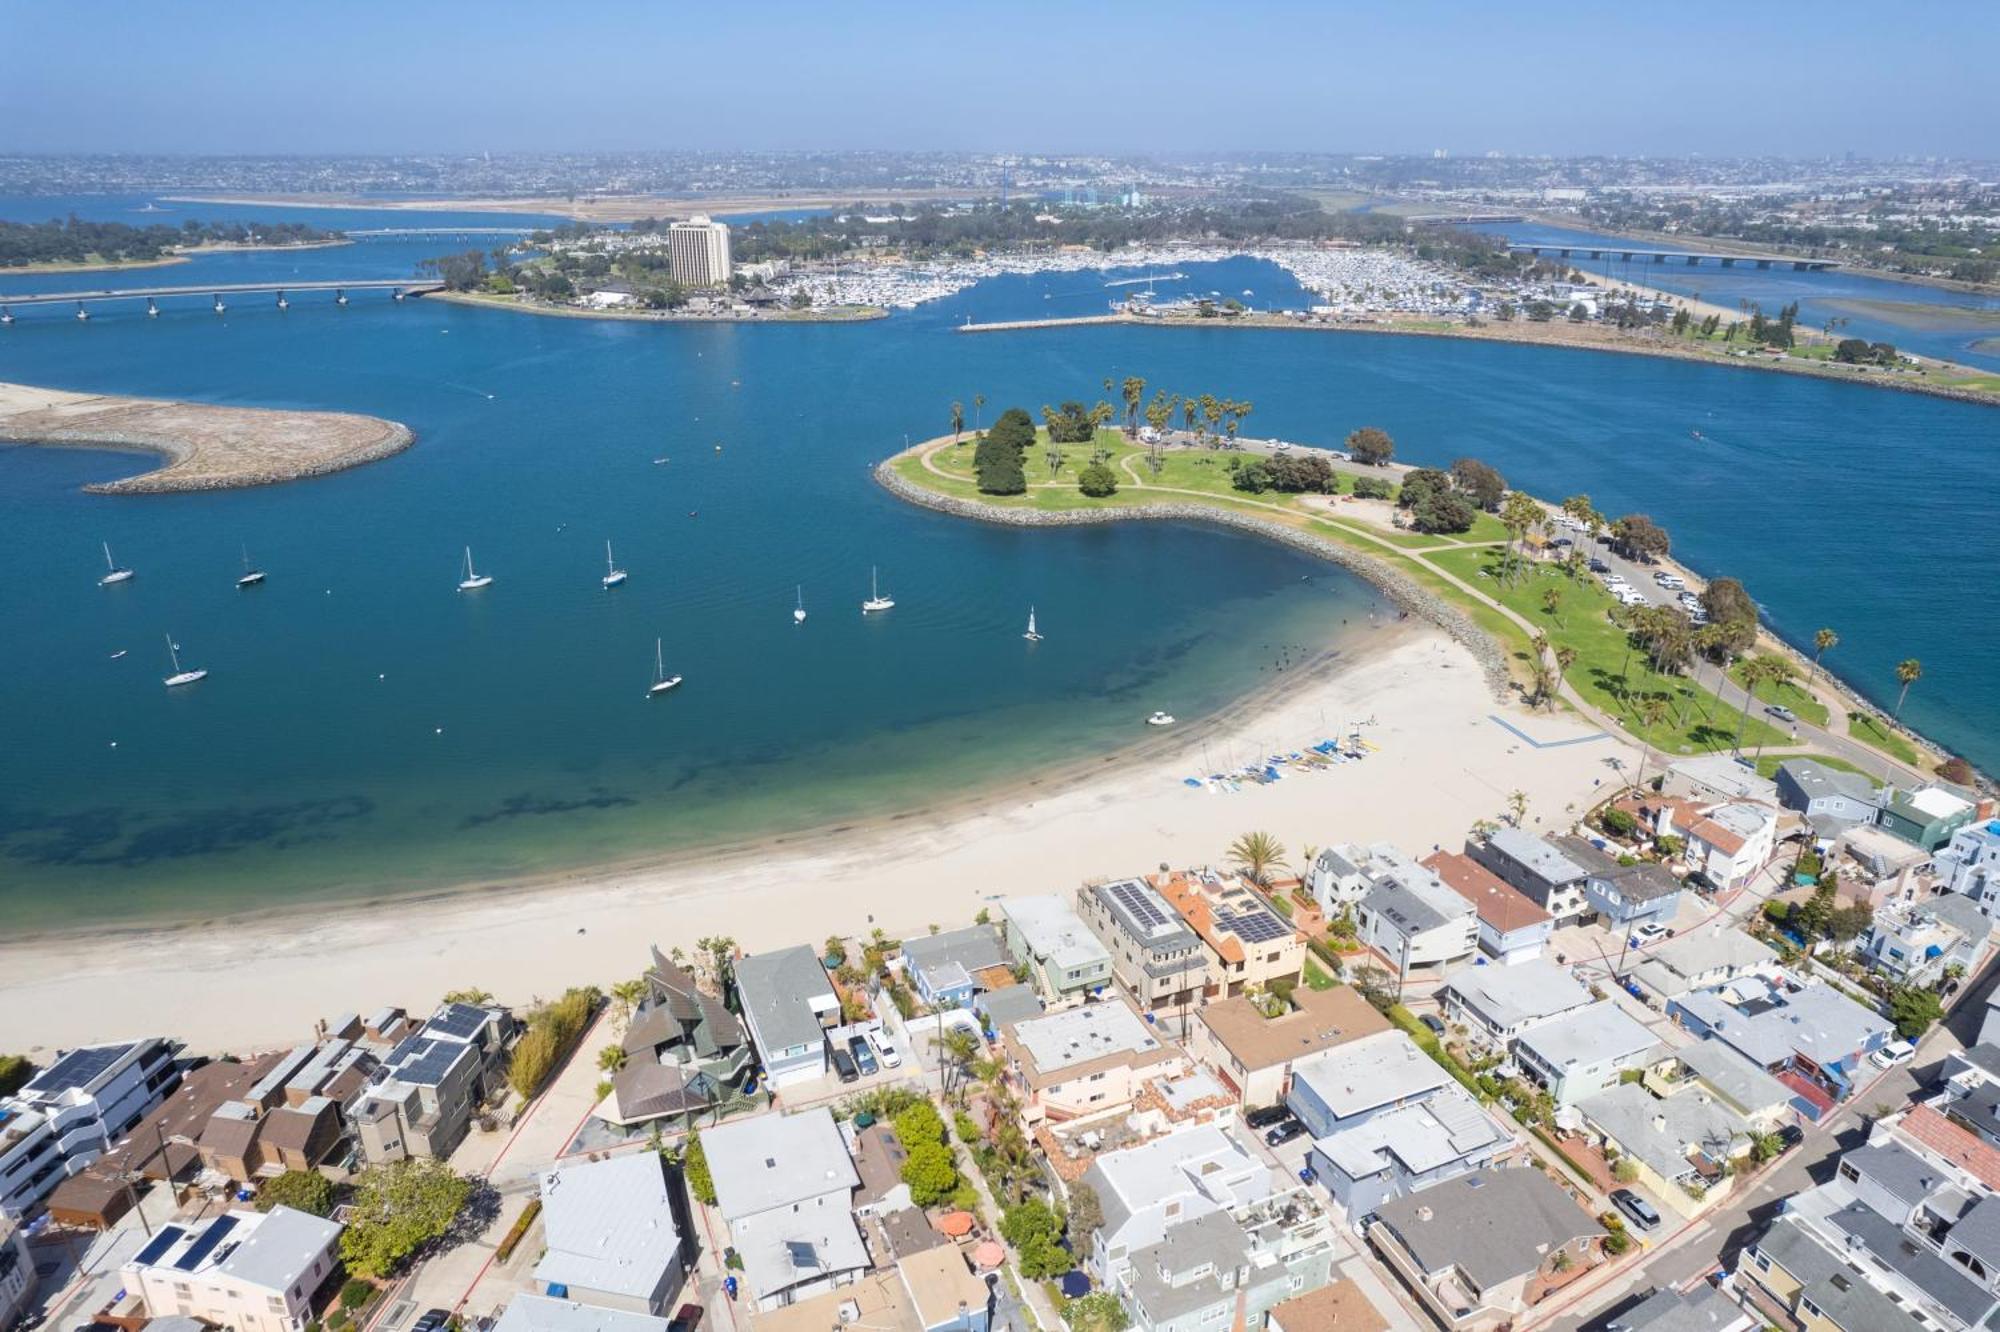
(876, 601)
(799, 611)
(113, 574)
(613, 575)
(662, 682)
(1032, 635)
(180, 677)
(251, 577)
(472, 581)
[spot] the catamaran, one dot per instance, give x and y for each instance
(799, 611)
(1032, 635)
(251, 577)
(613, 575)
(662, 682)
(876, 601)
(473, 580)
(180, 677)
(113, 574)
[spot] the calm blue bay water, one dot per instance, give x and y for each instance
(368, 728)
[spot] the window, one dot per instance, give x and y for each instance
(1759, 1261)
(1806, 1304)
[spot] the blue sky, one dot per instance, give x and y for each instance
(1668, 76)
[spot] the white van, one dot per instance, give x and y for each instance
(1896, 1052)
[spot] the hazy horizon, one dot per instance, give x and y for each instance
(371, 79)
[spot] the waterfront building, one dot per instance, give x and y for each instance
(1969, 865)
(685, 1050)
(1717, 779)
(1729, 843)
(789, 1004)
(613, 1235)
(1927, 817)
(249, 1271)
(1155, 957)
(1511, 927)
(1550, 879)
(421, 1099)
(1411, 917)
(698, 252)
(1066, 963)
(73, 1111)
(1831, 800)
(1915, 943)
(1249, 945)
(785, 1185)
(17, 1271)
(1084, 1063)
(1254, 1054)
(951, 969)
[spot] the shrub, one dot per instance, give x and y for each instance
(551, 1029)
(1619, 823)
(515, 1233)
(1625, 1171)
(694, 1166)
(1372, 487)
(919, 1123)
(930, 1172)
(306, 1190)
(355, 1293)
(967, 1130)
(1097, 481)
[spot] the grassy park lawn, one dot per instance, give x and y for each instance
(1315, 975)
(1607, 671)
(1869, 730)
(1792, 695)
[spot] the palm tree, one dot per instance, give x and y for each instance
(1257, 854)
(1652, 711)
(1517, 514)
(1757, 672)
(1908, 672)
(1565, 658)
(1517, 806)
(1552, 600)
(978, 407)
(1134, 390)
(1188, 409)
(1822, 640)
(626, 995)
(957, 421)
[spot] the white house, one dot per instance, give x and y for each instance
(611, 1236)
(785, 1184)
(1969, 864)
(1731, 842)
(1586, 1052)
(71, 1112)
(1497, 1004)
(247, 1271)
(1411, 916)
(788, 1003)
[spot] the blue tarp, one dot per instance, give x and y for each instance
(1075, 1285)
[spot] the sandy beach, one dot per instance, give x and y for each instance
(590, 208)
(241, 985)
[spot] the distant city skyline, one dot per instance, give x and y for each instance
(1274, 77)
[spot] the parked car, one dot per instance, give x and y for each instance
(1436, 1026)
(1651, 932)
(1284, 1133)
(844, 1066)
(1599, 566)
(1268, 1116)
(1781, 712)
(434, 1320)
(891, 1056)
(1892, 1054)
(864, 1058)
(687, 1318)
(1790, 1136)
(1641, 1211)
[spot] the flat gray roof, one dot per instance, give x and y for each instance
(776, 990)
(766, 1161)
(1537, 855)
(609, 1225)
(1375, 1070)
(1590, 1035)
(1531, 991)
(1054, 931)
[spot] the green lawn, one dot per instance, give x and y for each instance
(1791, 695)
(1864, 726)
(1315, 975)
(1607, 671)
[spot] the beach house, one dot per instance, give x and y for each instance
(784, 1185)
(1497, 1004)
(1727, 1076)
(1710, 779)
(1585, 1052)
(1193, 1171)
(1926, 817)
(1916, 943)
(1532, 865)
(1249, 945)
(1254, 1054)
(1411, 918)
(1624, 897)
(1511, 927)
(1729, 843)
(684, 1050)
(1830, 799)
(788, 1003)
(1810, 1036)
(1969, 865)
(1066, 963)
(1155, 957)
(74, 1110)
(615, 1235)
(952, 968)
(1083, 1063)
(248, 1271)
(1228, 1268)
(419, 1100)
(17, 1271)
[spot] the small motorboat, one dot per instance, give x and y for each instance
(1160, 719)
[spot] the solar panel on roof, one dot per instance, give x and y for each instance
(201, 1248)
(1254, 926)
(1138, 903)
(404, 1048)
(79, 1067)
(459, 1020)
(166, 1239)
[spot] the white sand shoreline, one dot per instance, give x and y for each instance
(248, 984)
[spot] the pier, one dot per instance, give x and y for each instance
(1691, 258)
(1009, 325)
(398, 288)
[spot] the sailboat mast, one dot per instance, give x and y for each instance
(172, 655)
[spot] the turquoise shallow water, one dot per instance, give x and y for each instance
(368, 729)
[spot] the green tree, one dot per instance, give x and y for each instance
(15, 1070)
(1134, 392)
(1822, 641)
(1099, 1311)
(1252, 478)
(306, 1190)
(919, 1123)
(1552, 599)
(611, 1058)
(1481, 483)
(1372, 487)
(626, 996)
(1257, 854)
(1097, 481)
(396, 1209)
(1913, 1009)
(1034, 1229)
(1640, 537)
(957, 421)
(1908, 672)
(694, 1165)
(1086, 1214)
(930, 1172)
(1371, 445)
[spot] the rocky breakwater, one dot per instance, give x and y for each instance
(206, 447)
(1392, 582)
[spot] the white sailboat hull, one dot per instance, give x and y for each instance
(662, 686)
(614, 578)
(474, 584)
(251, 579)
(185, 678)
(798, 617)
(115, 576)
(877, 604)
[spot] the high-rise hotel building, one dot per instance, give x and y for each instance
(698, 252)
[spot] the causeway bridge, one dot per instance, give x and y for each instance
(1636, 255)
(398, 288)
(379, 232)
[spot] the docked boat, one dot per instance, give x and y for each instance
(112, 573)
(251, 576)
(799, 611)
(1160, 719)
(180, 677)
(473, 579)
(613, 575)
(1033, 635)
(876, 601)
(662, 682)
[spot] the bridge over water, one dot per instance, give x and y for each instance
(398, 288)
(377, 232)
(1584, 250)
